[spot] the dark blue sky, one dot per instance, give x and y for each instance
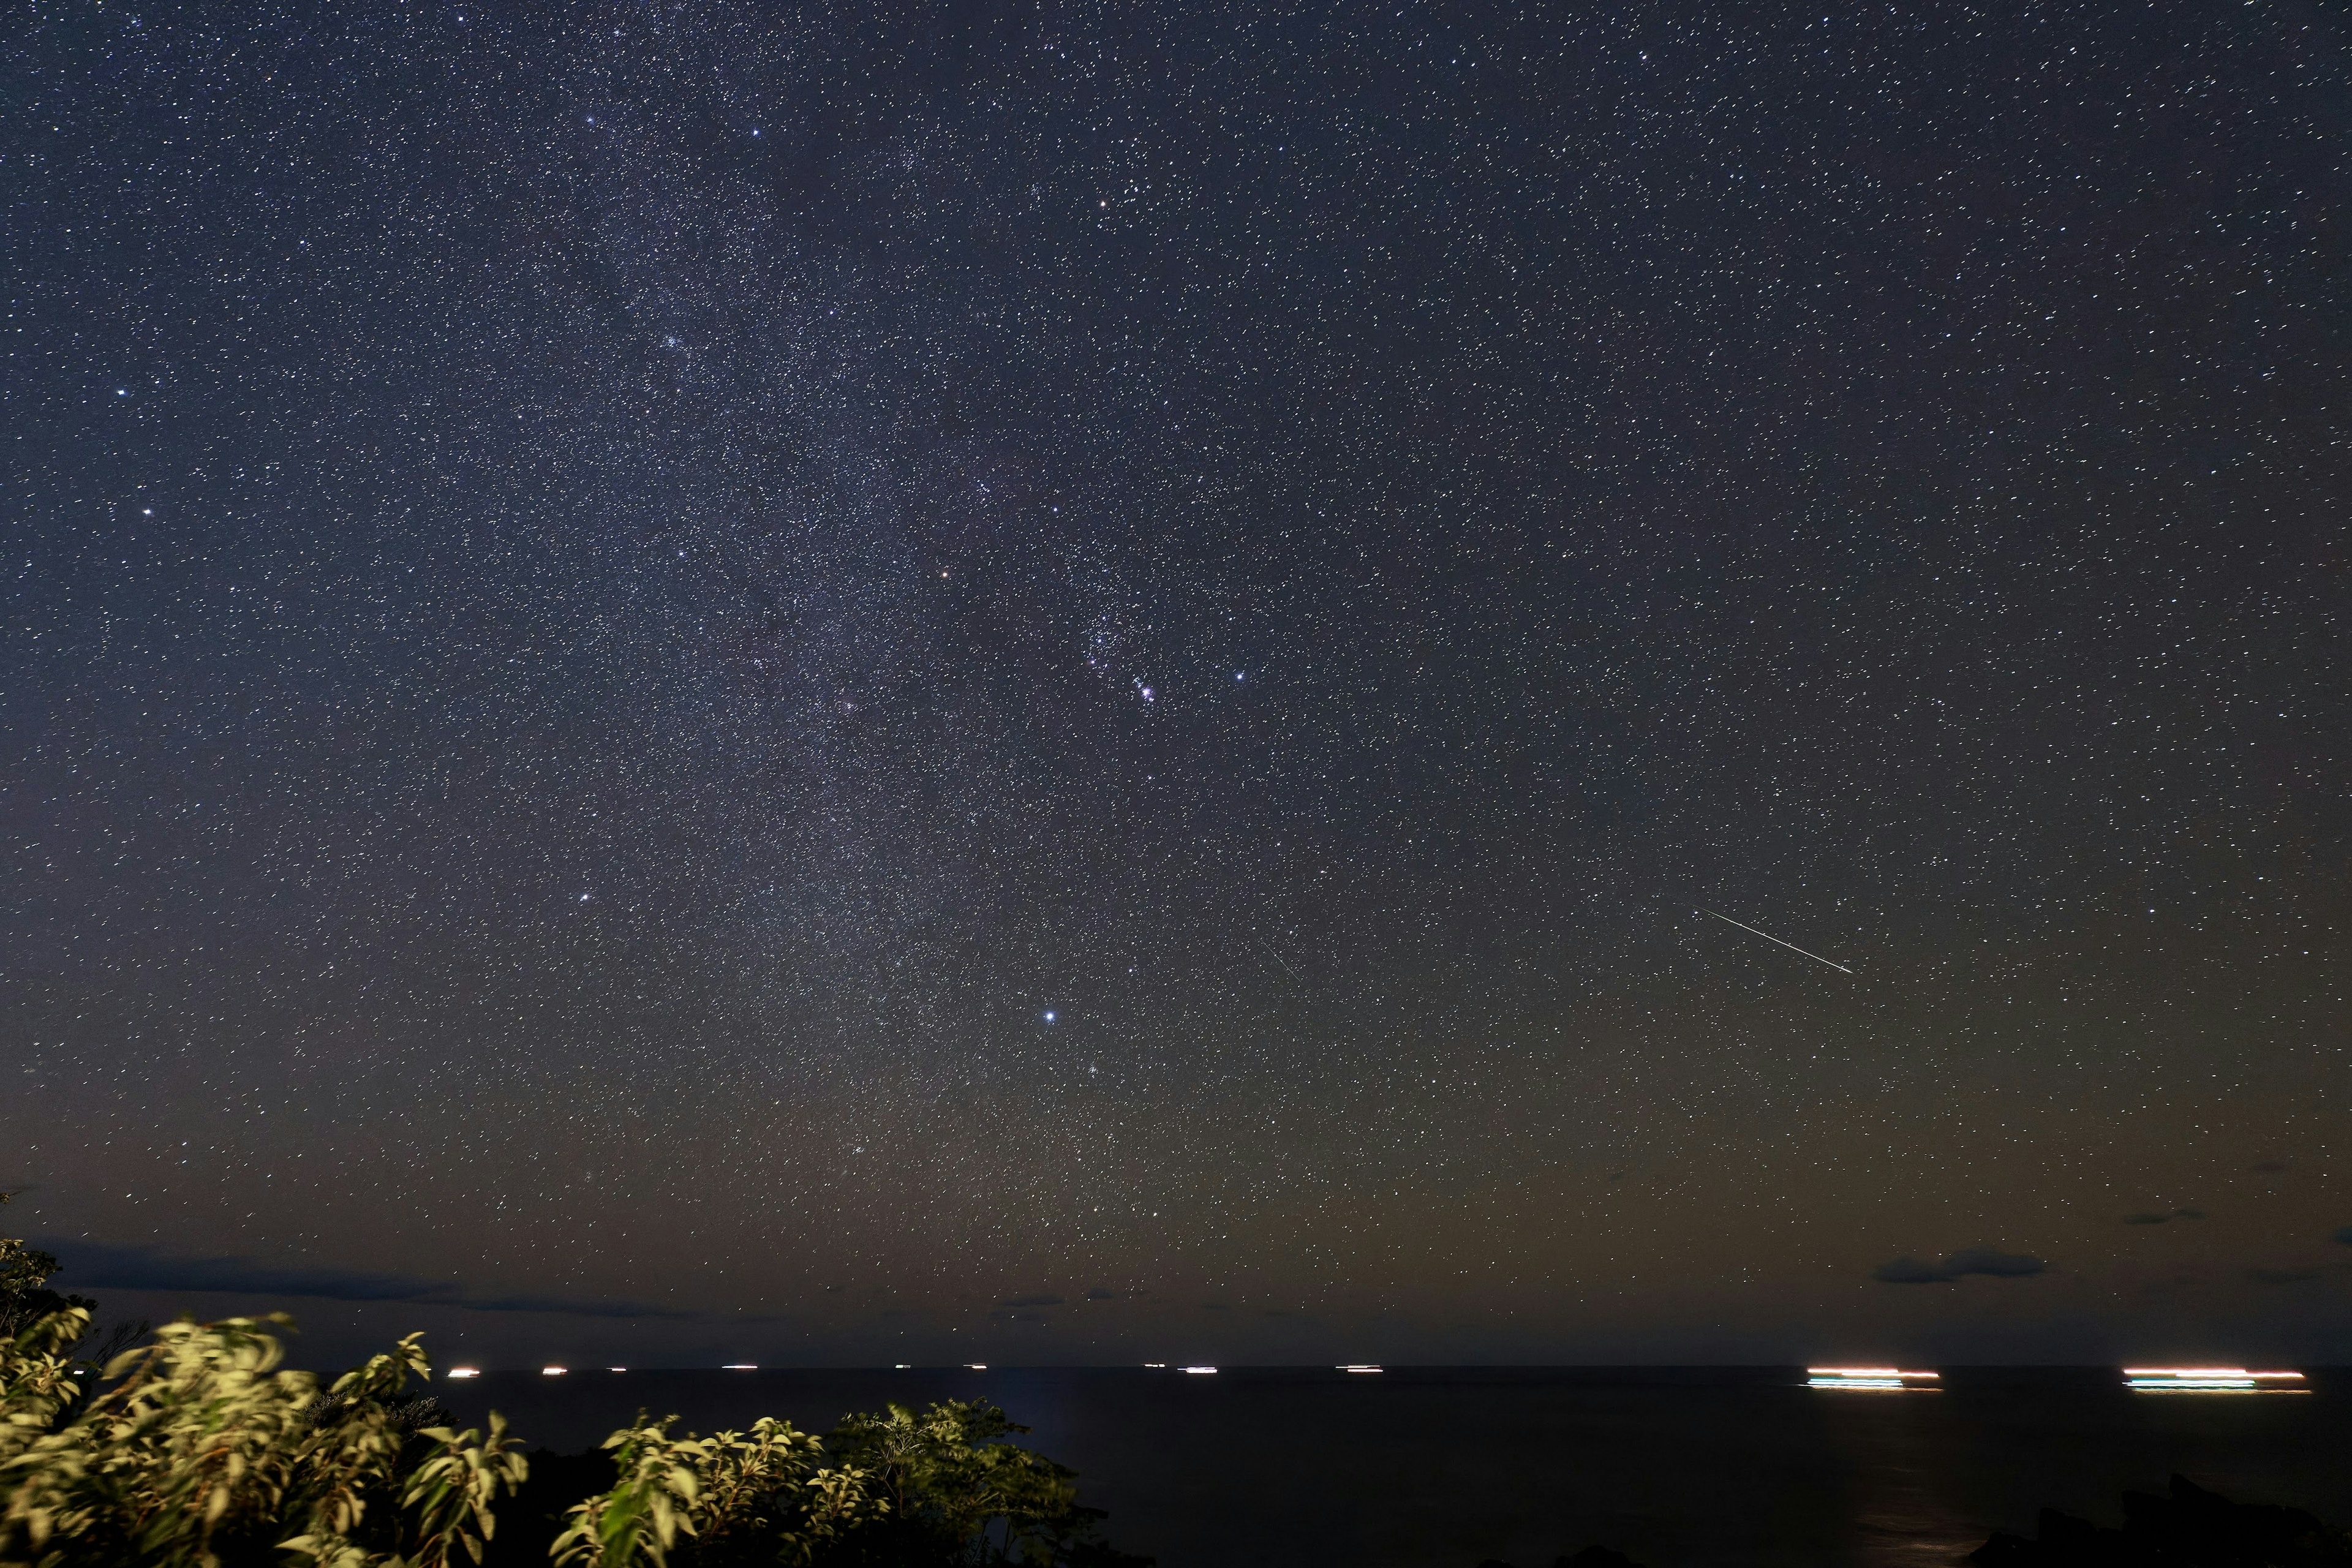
(836, 684)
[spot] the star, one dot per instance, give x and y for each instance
(1558, 664)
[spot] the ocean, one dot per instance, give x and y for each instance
(1448, 1467)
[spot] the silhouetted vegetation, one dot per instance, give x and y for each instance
(1591, 1557)
(199, 1450)
(2187, 1528)
(24, 1295)
(26, 1299)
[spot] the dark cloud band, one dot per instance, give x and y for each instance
(90, 1265)
(1989, 1261)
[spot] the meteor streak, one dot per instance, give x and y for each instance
(1792, 946)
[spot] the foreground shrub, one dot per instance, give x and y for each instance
(761, 1496)
(203, 1453)
(951, 1492)
(199, 1451)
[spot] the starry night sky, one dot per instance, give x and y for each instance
(1064, 683)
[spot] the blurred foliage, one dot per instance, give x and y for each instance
(199, 1450)
(761, 1496)
(898, 1490)
(25, 1300)
(24, 1295)
(951, 1493)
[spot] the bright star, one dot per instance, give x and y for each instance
(1049, 1014)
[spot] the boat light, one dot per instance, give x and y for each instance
(1872, 1377)
(2208, 1372)
(2209, 1380)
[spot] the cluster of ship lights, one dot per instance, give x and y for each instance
(1884, 1378)
(2210, 1379)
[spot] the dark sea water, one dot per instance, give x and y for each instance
(1444, 1467)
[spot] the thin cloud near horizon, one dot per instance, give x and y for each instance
(100, 1265)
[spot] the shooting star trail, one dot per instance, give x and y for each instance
(1279, 959)
(1767, 936)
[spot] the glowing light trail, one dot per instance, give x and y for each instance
(2207, 1371)
(2208, 1380)
(1884, 1378)
(1792, 946)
